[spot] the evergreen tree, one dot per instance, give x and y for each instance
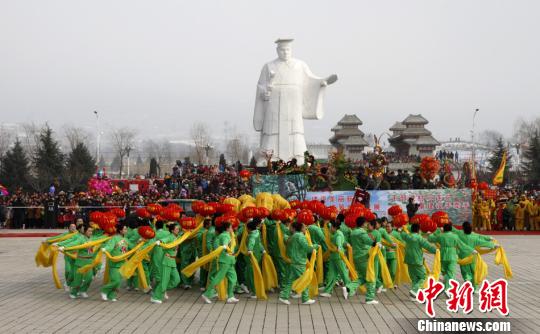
(496, 157)
(531, 157)
(80, 167)
(253, 162)
(48, 160)
(15, 170)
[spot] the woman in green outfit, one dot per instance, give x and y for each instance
(116, 246)
(170, 278)
(225, 266)
(254, 246)
(81, 282)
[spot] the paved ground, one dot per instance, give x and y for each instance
(29, 303)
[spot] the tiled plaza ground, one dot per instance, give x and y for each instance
(29, 303)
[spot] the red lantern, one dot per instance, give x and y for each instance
(188, 223)
(400, 220)
(440, 218)
(146, 232)
(483, 186)
(295, 204)
(426, 224)
(304, 205)
(174, 206)
(231, 218)
(197, 206)
(118, 212)
(171, 214)
(357, 210)
(350, 221)
(262, 212)
(96, 217)
(226, 208)
(245, 174)
(154, 209)
(329, 213)
(316, 207)
(290, 214)
(278, 214)
(207, 210)
(249, 212)
(305, 217)
(370, 216)
(143, 213)
(394, 210)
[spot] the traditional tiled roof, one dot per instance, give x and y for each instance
(350, 120)
(427, 141)
(416, 132)
(347, 132)
(354, 140)
(336, 127)
(397, 126)
(415, 119)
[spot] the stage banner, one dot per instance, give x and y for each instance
(290, 186)
(456, 202)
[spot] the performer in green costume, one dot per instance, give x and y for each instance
(336, 266)
(69, 262)
(225, 264)
(414, 257)
(298, 250)
(170, 278)
(254, 246)
(361, 244)
(116, 246)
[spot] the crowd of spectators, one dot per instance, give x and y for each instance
(55, 208)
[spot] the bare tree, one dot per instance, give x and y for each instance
(489, 137)
(122, 141)
(237, 148)
(525, 129)
(200, 134)
(75, 135)
(161, 151)
(6, 139)
(30, 140)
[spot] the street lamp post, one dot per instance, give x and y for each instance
(472, 136)
(128, 149)
(98, 136)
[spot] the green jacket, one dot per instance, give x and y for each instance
(338, 240)
(132, 237)
(317, 236)
(472, 240)
(414, 243)
(298, 248)
(254, 244)
(346, 230)
(84, 256)
(210, 238)
(224, 239)
(270, 232)
(117, 245)
(169, 255)
(449, 244)
(361, 243)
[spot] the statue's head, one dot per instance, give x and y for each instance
(284, 50)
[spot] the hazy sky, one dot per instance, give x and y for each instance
(161, 65)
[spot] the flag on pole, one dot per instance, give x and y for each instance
(499, 175)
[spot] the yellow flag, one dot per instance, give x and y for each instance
(499, 175)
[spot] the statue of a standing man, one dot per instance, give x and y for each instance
(287, 92)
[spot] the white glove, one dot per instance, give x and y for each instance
(250, 252)
(264, 252)
(61, 248)
(103, 249)
(400, 229)
(224, 247)
(54, 244)
(379, 244)
(158, 242)
(475, 251)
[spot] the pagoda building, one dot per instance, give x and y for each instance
(410, 137)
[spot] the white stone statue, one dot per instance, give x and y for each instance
(287, 92)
